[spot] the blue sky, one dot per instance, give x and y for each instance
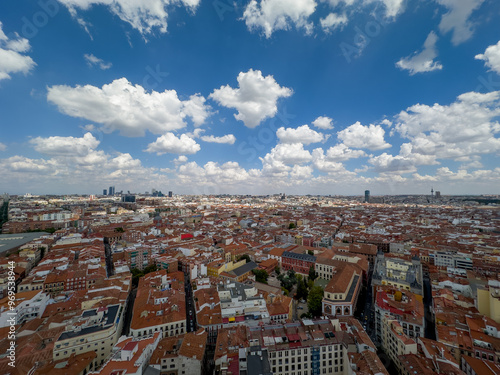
(250, 97)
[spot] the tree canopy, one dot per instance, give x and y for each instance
(260, 276)
(314, 301)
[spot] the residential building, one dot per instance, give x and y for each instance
(130, 356)
(241, 304)
(27, 306)
(395, 343)
(405, 307)
(399, 273)
(300, 263)
(341, 293)
(239, 274)
(181, 355)
(160, 305)
(488, 300)
(95, 330)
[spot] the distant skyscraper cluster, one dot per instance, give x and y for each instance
(367, 196)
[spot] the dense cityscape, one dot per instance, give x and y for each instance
(249, 187)
(155, 283)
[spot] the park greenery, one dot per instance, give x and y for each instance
(244, 256)
(137, 273)
(260, 276)
(314, 301)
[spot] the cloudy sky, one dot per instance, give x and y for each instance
(251, 97)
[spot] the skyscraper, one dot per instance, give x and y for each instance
(170, 194)
(111, 190)
(104, 192)
(367, 196)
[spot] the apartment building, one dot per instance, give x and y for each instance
(130, 356)
(241, 304)
(160, 305)
(28, 306)
(300, 263)
(399, 273)
(405, 307)
(181, 355)
(341, 293)
(95, 330)
(395, 343)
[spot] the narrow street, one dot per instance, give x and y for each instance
(129, 308)
(430, 324)
(109, 259)
(190, 308)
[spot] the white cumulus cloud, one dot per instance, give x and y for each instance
(457, 19)
(321, 162)
(59, 146)
(491, 57)
(95, 61)
(303, 134)
(278, 162)
(227, 139)
(406, 162)
(128, 108)
(360, 136)
(301, 172)
(323, 122)
(12, 55)
(144, 16)
(341, 152)
(213, 174)
(169, 143)
(459, 130)
(255, 99)
(422, 61)
(333, 21)
(392, 7)
(272, 15)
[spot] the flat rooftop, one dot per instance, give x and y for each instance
(13, 241)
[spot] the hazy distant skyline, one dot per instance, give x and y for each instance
(250, 97)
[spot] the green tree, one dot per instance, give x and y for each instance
(314, 301)
(136, 275)
(312, 273)
(277, 270)
(310, 252)
(244, 256)
(291, 226)
(288, 280)
(260, 276)
(302, 290)
(119, 230)
(150, 268)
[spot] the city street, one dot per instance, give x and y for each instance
(190, 308)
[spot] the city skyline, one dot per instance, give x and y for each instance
(255, 97)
